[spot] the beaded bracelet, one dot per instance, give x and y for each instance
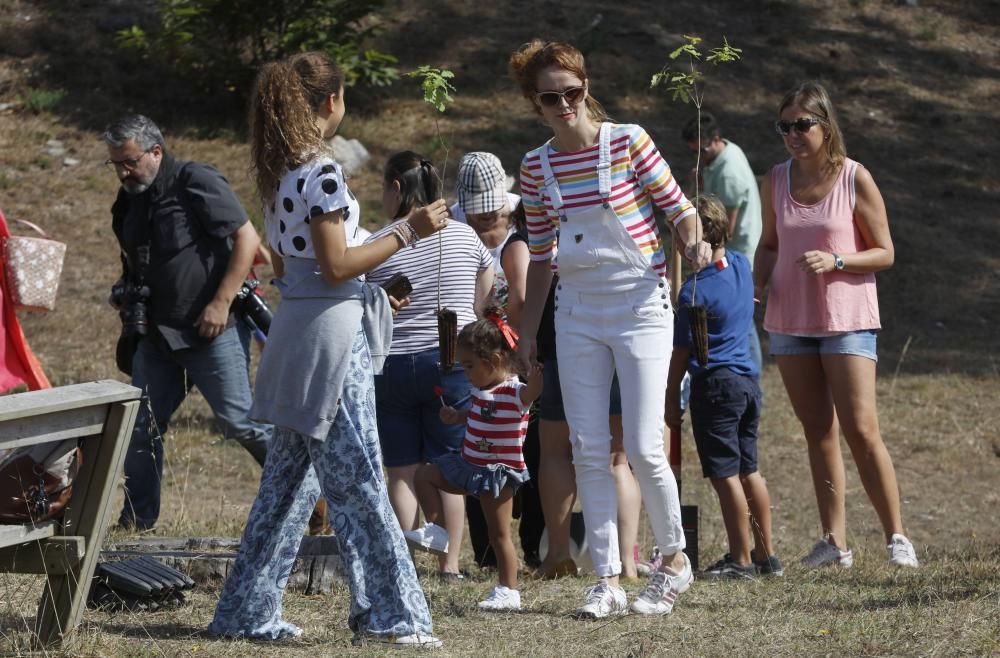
(411, 232)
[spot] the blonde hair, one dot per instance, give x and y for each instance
(529, 60)
(813, 98)
(283, 132)
(714, 219)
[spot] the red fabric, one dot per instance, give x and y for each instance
(18, 364)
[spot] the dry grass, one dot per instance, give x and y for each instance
(916, 88)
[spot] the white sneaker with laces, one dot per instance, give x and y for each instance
(603, 600)
(825, 552)
(663, 589)
(901, 553)
(432, 538)
(501, 598)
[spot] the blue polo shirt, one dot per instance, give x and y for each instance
(725, 288)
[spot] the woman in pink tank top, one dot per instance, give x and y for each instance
(825, 235)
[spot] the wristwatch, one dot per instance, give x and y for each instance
(838, 262)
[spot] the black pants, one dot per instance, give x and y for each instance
(527, 501)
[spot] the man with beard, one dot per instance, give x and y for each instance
(186, 248)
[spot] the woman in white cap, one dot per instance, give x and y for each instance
(592, 188)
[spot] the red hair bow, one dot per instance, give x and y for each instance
(508, 332)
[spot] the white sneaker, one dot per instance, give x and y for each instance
(501, 598)
(414, 641)
(825, 552)
(603, 600)
(663, 589)
(901, 553)
(432, 538)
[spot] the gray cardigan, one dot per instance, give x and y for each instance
(308, 352)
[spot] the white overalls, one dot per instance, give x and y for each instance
(612, 313)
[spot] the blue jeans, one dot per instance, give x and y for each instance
(219, 370)
(409, 426)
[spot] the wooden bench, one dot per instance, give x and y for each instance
(102, 414)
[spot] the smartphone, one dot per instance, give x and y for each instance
(398, 286)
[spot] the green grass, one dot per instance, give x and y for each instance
(917, 112)
(42, 100)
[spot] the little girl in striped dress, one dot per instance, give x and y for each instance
(491, 465)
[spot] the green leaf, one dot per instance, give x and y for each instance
(435, 85)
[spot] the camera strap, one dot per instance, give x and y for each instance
(136, 271)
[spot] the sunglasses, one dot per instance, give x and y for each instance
(573, 95)
(802, 126)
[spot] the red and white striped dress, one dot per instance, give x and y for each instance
(496, 426)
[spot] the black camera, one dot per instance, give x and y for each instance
(252, 306)
(132, 302)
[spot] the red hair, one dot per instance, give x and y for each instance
(530, 59)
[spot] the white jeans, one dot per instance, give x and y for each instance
(597, 334)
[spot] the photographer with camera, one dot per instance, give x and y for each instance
(186, 248)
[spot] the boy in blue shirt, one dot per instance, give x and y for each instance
(725, 399)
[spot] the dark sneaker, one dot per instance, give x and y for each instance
(825, 553)
(727, 569)
(770, 566)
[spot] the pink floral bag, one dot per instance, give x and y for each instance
(32, 267)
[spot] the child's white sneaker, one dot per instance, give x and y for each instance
(901, 553)
(501, 598)
(432, 538)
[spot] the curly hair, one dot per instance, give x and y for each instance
(283, 132)
(484, 339)
(529, 60)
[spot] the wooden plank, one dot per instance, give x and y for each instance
(74, 396)
(87, 515)
(55, 555)
(66, 424)
(11, 535)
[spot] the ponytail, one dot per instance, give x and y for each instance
(283, 133)
(419, 182)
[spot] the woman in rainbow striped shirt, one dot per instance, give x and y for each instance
(591, 189)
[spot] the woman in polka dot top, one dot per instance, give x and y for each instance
(315, 380)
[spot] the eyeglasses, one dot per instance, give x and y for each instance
(802, 126)
(128, 163)
(573, 95)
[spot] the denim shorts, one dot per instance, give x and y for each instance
(858, 343)
(407, 408)
(550, 405)
(725, 412)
